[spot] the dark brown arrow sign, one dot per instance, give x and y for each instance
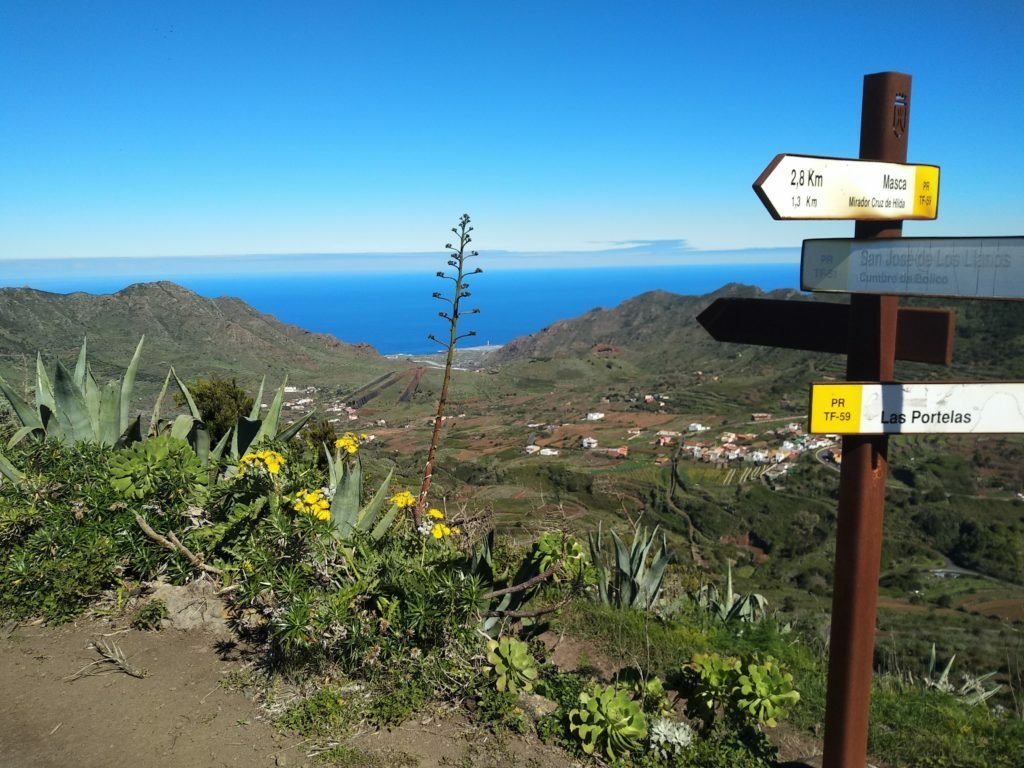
(922, 335)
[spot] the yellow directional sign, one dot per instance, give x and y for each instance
(933, 407)
(806, 187)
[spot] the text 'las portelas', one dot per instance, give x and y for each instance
(878, 409)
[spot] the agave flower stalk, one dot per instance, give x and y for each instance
(457, 261)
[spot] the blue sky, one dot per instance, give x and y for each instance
(183, 129)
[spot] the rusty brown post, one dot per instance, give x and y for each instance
(885, 122)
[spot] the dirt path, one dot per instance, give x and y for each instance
(179, 714)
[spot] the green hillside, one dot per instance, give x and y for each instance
(200, 337)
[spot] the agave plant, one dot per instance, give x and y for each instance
(730, 606)
(972, 690)
(628, 581)
(73, 407)
(608, 721)
(345, 475)
(249, 431)
(514, 665)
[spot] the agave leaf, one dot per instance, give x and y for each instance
(20, 435)
(199, 439)
(640, 561)
(128, 386)
(622, 555)
(268, 427)
(108, 416)
(154, 421)
(290, 431)
(345, 504)
(192, 408)
(730, 596)
(256, 404)
(368, 514)
(44, 389)
(622, 577)
(91, 394)
(9, 471)
(182, 426)
(246, 434)
(332, 471)
(72, 414)
(656, 574)
(82, 366)
(384, 524)
(29, 416)
(133, 434)
(218, 450)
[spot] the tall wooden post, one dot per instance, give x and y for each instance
(885, 123)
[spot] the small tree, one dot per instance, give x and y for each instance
(221, 403)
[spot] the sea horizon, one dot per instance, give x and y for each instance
(395, 312)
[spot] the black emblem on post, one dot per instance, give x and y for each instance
(899, 115)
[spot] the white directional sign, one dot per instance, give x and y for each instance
(879, 409)
(968, 267)
(804, 187)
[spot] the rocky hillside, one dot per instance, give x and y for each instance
(198, 336)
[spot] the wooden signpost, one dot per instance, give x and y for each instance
(878, 191)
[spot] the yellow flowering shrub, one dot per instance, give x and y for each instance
(403, 500)
(350, 442)
(312, 503)
(440, 531)
(261, 461)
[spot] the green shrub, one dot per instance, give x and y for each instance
(221, 403)
(931, 729)
(501, 710)
(326, 713)
(149, 616)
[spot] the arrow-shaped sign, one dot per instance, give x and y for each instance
(964, 267)
(806, 187)
(922, 335)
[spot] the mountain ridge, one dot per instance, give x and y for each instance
(182, 329)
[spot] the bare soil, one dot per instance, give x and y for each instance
(178, 714)
(184, 712)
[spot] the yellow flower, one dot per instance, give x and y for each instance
(349, 442)
(440, 530)
(312, 503)
(437, 514)
(269, 461)
(403, 500)
(247, 565)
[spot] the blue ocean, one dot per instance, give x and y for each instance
(395, 312)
